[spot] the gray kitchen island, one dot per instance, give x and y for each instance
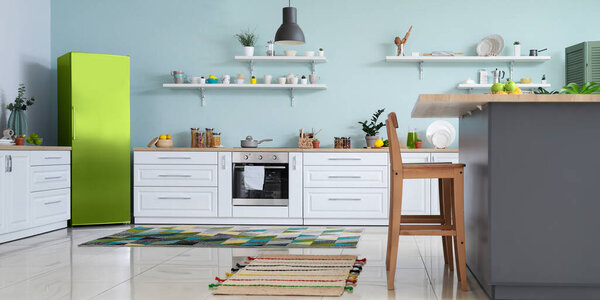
(532, 176)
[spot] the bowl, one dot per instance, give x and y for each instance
(290, 52)
(525, 80)
(212, 80)
(309, 53)
(164, 143)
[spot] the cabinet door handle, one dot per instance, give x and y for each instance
(344, 176)
(349, 199)
(52, 177)
(52, 202)
(6, 164)
(223, 162)
(295, 163)
(174, 175)
(432, 159)
(10, 161)
(175, 198)
(52, 157)
(344, 158)
(73, 122)
(171, 157)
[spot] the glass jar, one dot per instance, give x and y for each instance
(200, 139)
(337, 143)
(194, 132)
(216, 139)
(411, 138)
(209, 135)
(347, 142)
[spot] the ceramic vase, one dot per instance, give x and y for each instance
(371, 140)
(17, 121)
(248, 51)
(517, 50)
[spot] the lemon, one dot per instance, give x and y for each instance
(162, 137)
(168, 136)
(379, 143)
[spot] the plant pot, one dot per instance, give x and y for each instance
(17, 121)
(19, 141)
(321, 53)
(517, 50)
(371, 140)
(418, 144)
(248, 51)
(316, 144)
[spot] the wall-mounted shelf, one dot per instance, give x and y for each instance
(220, 86)
(313, 60)
(456, 59)
(477, 86)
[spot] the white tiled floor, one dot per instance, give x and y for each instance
(53, 266)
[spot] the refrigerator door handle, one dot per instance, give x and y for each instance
(73, 122)
(6, 164)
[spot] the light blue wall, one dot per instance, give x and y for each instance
(25, 58)
(197, 37)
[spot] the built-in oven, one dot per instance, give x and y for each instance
(275, 187)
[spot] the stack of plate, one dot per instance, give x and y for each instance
(441, 134)
(4, 142)
(492, 45)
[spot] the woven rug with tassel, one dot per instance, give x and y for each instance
(292, 275)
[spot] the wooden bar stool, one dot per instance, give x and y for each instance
(448, 224)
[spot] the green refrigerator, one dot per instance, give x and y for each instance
(93, 118)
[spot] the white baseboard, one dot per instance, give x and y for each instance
(11, 236)
(219, 221)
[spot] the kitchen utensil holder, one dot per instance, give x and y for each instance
(305, 142)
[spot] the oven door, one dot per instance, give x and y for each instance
(275, 189)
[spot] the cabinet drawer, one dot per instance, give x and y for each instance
(346, 203)
(345, 159)
(175, 175)
(50, 206)
(175, 158)
(50, 177)
(48, 158)
(175, 202)
(345, 176)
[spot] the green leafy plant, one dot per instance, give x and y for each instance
(34, 138)
(386, 143)
(516, 43)
(21, 102)
(320, 49)
(371, 128)
(544, 91)
(247, 38)
(315, 140)
(418, 140)
(587, 88)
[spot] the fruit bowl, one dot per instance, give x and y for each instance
(164, 143)
(212, 80)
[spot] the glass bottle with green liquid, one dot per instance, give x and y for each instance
(411, 138)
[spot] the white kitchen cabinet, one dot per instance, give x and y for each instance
(35, 194)
(175, 175)
(346, 176)
(348, 203)
(416, 192)
(225, 184)
(175, 201)
(295, 185)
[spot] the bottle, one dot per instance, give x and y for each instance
(209, 135)
(411, 138)
(216, 139)
(194, 132)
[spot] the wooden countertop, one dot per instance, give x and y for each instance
(353, 150)
(458, 105)
(35, 148)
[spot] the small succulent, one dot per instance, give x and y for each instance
(247, 38)
(517, 43)
(320, 49)
(315, 140)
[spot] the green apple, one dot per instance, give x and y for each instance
(510, 86)
(497, 87)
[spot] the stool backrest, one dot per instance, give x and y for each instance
(395, 157)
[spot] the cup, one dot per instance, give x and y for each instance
(313, 78)
(226, 79)
(303, 80)
(294, 80)
(194, 79)
(241, 80)
(268, 79)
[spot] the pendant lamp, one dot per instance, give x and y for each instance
(289, 33)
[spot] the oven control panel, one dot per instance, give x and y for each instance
(261, 157)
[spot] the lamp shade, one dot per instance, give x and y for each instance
(289, 33)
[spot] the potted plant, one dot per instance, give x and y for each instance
(517, 46)
(17, 120)
(20, 140)
(34, 139)
(371, 128)
(248, 40)
(321, 52)
(418, 144)
(316, 143)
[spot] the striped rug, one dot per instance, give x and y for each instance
(292, 275)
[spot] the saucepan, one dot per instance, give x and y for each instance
(250, 142)
(534, 52)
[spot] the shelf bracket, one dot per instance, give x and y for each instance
(251, 67)
(421, 70)
(202, 98)
(292, 98)
(314, 67)
(512, 67)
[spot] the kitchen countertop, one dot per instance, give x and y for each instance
(35, 148)
(353, 150)
(458, 105)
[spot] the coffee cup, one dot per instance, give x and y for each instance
(194, 79)
(313, 78)
(281, 80)
(268, 79)
(226, 79)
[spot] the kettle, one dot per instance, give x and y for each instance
(498, 75)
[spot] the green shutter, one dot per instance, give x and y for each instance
(575, 60)
(593, 70)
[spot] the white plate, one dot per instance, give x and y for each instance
(498, 42)
(491, 45)
(485, 47)
(444, 139)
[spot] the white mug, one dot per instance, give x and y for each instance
(281, 80)
(313, 78)
(268, 79)
(226, 79)
(202, 80)
(294, 80)
(194, 79)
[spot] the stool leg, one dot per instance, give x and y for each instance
(390, 224)
(394, 228)
(459, 221)
(444, 222)
(448, 194)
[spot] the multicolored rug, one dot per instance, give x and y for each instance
(232, 236)
(292, 275)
